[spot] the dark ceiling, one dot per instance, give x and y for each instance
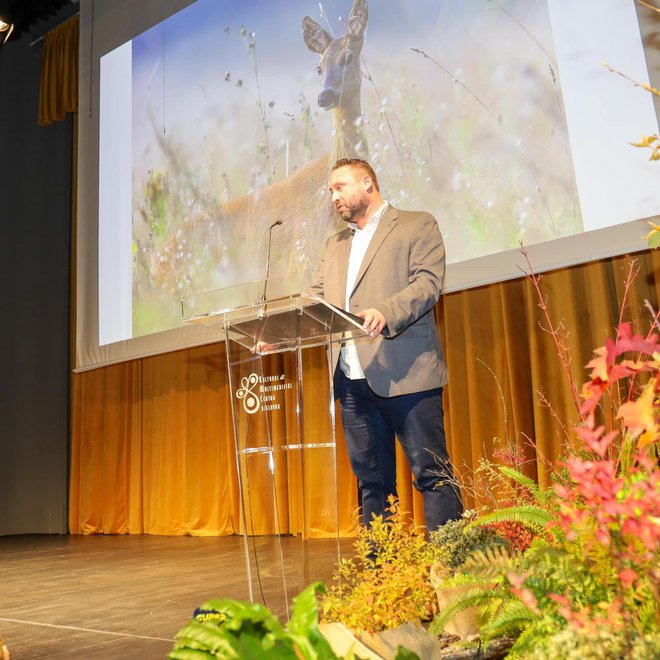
(26, 13)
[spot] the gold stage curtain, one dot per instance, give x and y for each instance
(58, 86)
(152, 444)
(153, 452)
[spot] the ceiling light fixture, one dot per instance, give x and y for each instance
(5, 31)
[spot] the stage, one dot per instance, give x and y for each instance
(126, 596)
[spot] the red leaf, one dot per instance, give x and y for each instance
(627, 576)
(638, 415)
(626, 341)
(595, 440)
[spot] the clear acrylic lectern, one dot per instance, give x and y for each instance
(284, 426)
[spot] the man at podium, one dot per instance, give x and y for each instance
(387, 267)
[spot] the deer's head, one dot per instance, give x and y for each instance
(340, 58)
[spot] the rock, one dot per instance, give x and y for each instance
(409, 635)
(343, 642)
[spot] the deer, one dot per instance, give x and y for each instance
(300, 201)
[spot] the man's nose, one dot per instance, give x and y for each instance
(335, 195)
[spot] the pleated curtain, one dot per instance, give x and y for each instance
(58, 88)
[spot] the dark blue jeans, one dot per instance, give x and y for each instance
(370, 425)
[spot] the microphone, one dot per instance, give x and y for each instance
(270, 240)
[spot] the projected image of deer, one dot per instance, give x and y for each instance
(239, 111)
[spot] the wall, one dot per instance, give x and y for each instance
(35, 240)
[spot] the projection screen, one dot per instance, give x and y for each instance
(202, 124)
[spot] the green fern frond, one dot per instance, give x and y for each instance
(647, 613)
(492, 610)
(531, 637)
(472, 598)
(491, 562)
(534, 516)
(460, 580)
(551, 555)
(514, 617)
(205, 637)
(540, 495)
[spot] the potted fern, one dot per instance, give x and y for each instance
(472, 551)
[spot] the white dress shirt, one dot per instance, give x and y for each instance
(349, 362)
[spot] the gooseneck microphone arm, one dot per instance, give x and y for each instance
(270, 240)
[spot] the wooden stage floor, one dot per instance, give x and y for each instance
(125, 597)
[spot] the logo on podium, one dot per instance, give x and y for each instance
(251, 403)
(268, 397)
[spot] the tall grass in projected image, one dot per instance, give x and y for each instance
(456, 104)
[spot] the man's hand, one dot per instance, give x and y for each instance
(261, 348)
(374, 321)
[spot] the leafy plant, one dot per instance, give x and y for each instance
(533, 516)
(490, 563)
(249, 630)
(456, 540)
(479, 595)
(602, 644)
(388, 583)
(589, 577)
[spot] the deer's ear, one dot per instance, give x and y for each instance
(357, 19)
(316, 38)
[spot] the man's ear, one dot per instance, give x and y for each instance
(368, 183)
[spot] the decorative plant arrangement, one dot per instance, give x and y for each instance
(569, 571)
(588, 584)
(572, 569)
(225, 628)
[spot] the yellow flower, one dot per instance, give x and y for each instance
(646, 141)
(655, 230)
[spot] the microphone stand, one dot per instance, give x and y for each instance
(270, 240)
(262, 313)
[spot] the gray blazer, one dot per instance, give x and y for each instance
(401, 276)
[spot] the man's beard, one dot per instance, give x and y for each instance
(355, 209)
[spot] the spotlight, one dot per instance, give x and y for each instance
(5, 31)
